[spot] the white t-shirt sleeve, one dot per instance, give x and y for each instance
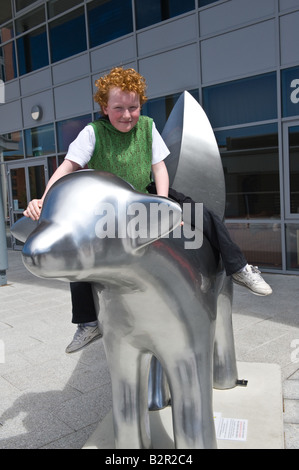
(81, 149)
(159, 148)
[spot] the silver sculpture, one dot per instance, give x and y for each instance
(157, 301)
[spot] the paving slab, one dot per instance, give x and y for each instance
(256, 407)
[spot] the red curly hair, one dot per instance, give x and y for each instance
(126, 79)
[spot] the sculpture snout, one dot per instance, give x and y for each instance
(44, 251)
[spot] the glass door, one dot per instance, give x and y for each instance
(291, 196)
(26, 181)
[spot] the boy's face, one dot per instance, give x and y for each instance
(123, 109)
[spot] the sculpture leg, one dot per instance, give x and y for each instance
(129, 374)
(225, 366)
(192, 404)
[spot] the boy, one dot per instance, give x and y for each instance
(129, 145)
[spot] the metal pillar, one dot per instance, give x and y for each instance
(3, 245)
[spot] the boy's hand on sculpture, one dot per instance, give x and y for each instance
(34, 209)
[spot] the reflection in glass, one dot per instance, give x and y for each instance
(18, 186)
(68, 130)
(8, 67)
(292, 246)
(8, 235)
(241, 101)
(6, 32)
(260, 243)
(294, 168)
(32, 19)
(36, 181)
(153, 11)
(251, 168)
(5, 11)
(12, 145)
(20, 4)
(203, 3)
(55, 7)
(52, 166)
(32, 51)
(108, 20)
(40, 141)
(160, 108)
(72, 27)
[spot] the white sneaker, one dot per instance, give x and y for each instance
(251, 278)
(84, 335)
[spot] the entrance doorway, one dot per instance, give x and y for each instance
(26, 181)
(291, 193)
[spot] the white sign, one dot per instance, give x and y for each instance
(232, 429)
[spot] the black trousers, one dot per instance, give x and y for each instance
(214, 229)
(217, 234)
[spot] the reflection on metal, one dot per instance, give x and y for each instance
(23, 228)
(155, 298)
(195, 168)
(194, 163)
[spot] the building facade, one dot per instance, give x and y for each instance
(238, 58)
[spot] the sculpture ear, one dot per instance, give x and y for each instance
(150, 218)
(23, 228)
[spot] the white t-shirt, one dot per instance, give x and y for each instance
(81, 149)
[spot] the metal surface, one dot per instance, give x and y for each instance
(194, 164)
(159, 299)
(153, 301)
(195, 168)
(22, 228)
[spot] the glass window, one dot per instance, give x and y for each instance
(13, 146)
(8, 66)
(37, 183)
(203, 3)
(18, 188)
(52, 166)
(5, 11)
(153, 11)
(55, 7)
(6, 32)
(72, 27)
(68, 130)
(294, 168)
(290, 91)
(20, 4)
(292, 246)
(29, 21)
(40, 141)
(108, 20)
(260, 243)
(251, 168)
(32, 51)
(160, 108)
(241, 101)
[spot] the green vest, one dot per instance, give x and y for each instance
(126, 154)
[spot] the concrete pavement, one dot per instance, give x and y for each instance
(51, 400)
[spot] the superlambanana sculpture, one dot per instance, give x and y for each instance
(157, 300)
